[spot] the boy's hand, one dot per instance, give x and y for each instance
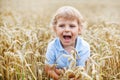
(53, 72)
(71, 75)
(59, 71)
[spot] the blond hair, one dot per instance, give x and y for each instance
(69, 13)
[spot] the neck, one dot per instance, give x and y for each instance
(68, 48)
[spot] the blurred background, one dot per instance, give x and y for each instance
(92, 10)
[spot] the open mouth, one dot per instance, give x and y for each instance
(67, 37)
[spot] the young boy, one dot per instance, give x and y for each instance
(67, 23)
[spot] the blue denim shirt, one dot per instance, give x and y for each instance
(55, 51)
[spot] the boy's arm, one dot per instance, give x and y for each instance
(50, 59)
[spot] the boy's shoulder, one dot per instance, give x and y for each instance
(82, 42)
(53, 43)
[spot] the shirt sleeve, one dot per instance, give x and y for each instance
(50, 55)
(83, 57)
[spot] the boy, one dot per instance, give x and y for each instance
(67, 23)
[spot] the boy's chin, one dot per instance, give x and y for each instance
(67, 44)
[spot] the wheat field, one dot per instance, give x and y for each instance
(25, 33)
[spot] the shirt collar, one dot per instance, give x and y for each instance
(78, 44)
(77, 47)
(59, 45)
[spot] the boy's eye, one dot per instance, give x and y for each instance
(72, 26)
(62, 25)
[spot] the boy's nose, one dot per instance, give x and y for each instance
(67, 28)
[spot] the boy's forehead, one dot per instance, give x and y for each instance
(67, 19)
(64, 20)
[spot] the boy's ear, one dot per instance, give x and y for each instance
(54, 29)
(80, 30)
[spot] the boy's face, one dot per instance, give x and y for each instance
(67, 31)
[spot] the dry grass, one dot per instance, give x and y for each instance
(25, 33)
